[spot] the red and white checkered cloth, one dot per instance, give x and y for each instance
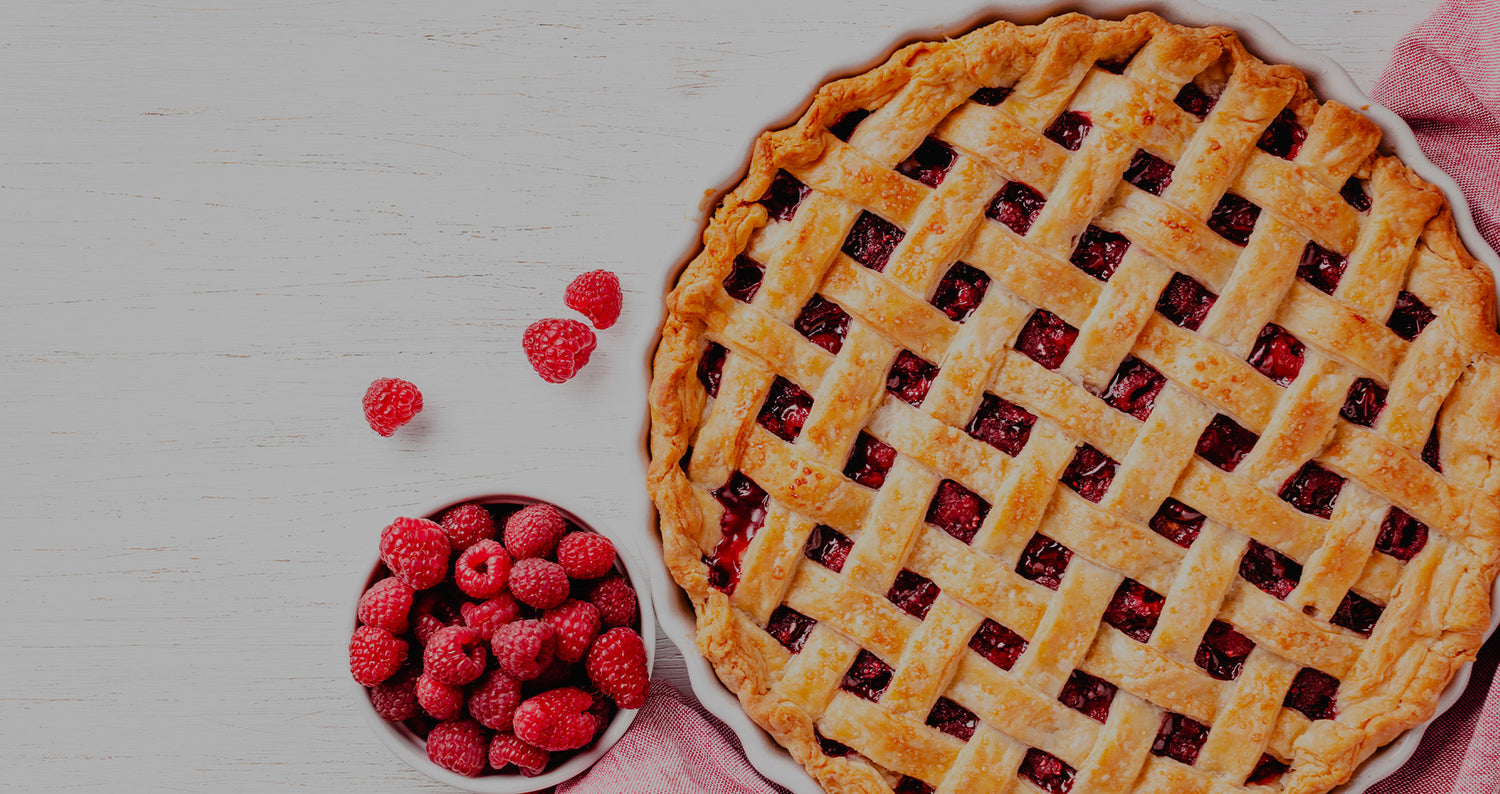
(1445, 81)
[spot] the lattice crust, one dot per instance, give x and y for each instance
(1081, 406)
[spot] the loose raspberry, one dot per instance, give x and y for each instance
(577, 624)
(386, 604)
(585, 555)
(416, 550)
(486, 616)
(461, 746)
(494, 699)
(617, 666)
(391, 403)
(616, 600)
(442, 701)
(596, 294)
(396, 698)
(557, 349)
(375, 655)
(539, 583)
(432, 611)
(483, 570)
(506, 749)
(524, 648)
(534, 531)
(466, 525)
(556, 720)
(455, 655)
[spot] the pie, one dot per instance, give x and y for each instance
(1082, 407)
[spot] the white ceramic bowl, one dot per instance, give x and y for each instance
(413, 749)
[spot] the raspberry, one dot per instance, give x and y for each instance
(617, 666)
(539, 583)
(455, 655)
(506, 749)
(616, 601)
(385, 605)
(375, 655)
(391, 403)
(494, 699)
(585, 555)
(461, 746)
(396, 698)
(486, 616)
(431, 612)
(556, 720)
(534, 531)
(524, 648)
(416, 550)
(482, 570)
(595, 294)
(557, 349)
(466, 525)
(577, 623)
(442, 701)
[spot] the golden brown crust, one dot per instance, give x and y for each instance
(1438, 605)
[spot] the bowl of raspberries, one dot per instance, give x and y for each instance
(501, 644)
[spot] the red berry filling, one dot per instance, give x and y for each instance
(913, 593)
(1069, 130)
(1225, 443)
(744, 505)
(1114, 65)
(828, 547)
(1134, 610)
(1047, 771)
(785, 409)
(782, 198)
(1087, 694)
(1234, 219)
(844, 127)
(1149, 172)
(869, 461)
(960, 291)
(1223, 650)
(1099, 252)
(1430, 451)
(953, 719)
(711, 367)
(1312, 490)
(911, 785)
(1089, 473)
(744, 278)
(1177, 522)
(1185, 302)
(1312, 693)
(790, 627)
(1270, 570)
(823, 323)
(1357, 614)
(1363, 403)
(1193, 99)
(1277, 354)
(1180, 738)
(1284, 136)
(1046, 339)
(1134, 388)
(1044, 561)
(1001, 646)
(868, 677)
(929, 163)
(990, 96)
(1321, 267)
(957, 510)
(1353, 192)
(831, 748)
(1016, 206)
(872, 240)
(910, 378)
(1001, 424)
(1401, 536)
(1267, 771)
(1410, 316)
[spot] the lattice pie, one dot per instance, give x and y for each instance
(1081, 407)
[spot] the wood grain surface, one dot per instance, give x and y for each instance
(224, 219)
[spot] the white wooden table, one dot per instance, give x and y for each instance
(224, 219)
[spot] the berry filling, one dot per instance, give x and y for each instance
(1277, 354)
(1225, 443)
(790, 627)
(828, 547)
(1401, 536)
(1016, 206)
(1312, 693)
(1270, 570)
(957, 510)
(869, 461)
(711, 367)
(910, 378)
(1134, 610)
(823, 323)
(1223, 650)
(744, 278)
(1430, 451)
(1284, 136)
(1185, 302)
(844, 127)
(1001, 424)
(1134, 388)
(868, 677)
(911, 785)
(744, 505)
(998, 644)
(1177, 522)
(831, 748)
(782, 198)
(929, 163)
(953, 719)
(1149, 172)
(785, 409)
(1099, 252)
(960, 291)
(872, 240)
(1114, 65)
(990, 96)
(913, 593)
(1234, 219)
(1069, 130)
(1353, 192)
(1267, 771)
(1047, 771)
(1087, 694)
(1410, 316)
(1363, 403)
(1321, 267)
(1312, 490)
(1357, 614)
(1046, 338)
(1193, 99)
(1180, 738)
(1089, 473)
(1044, 561)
